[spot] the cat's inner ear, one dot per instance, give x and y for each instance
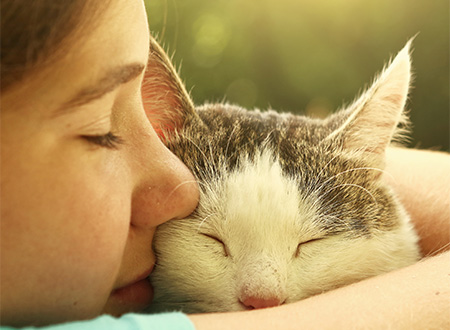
(166, 102)
(372, 121)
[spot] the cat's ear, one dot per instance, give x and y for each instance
(373, 120)
(166, 101)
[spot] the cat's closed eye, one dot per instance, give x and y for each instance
(218, 240)
(299, 246)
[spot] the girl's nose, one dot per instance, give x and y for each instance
(167, 190)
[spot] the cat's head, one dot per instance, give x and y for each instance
(289, 206)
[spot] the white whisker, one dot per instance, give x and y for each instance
(340, 221)
(353, 185)
(324, 167)
(229, 140)
(208, 165)
(203, 221)
(350, 170)
(180, 185)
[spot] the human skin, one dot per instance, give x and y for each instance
(422, 181)
(77, 218)
(416, 297)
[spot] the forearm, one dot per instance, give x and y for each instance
(421, 179)
(416, 297)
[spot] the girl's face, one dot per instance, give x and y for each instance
(85, 180)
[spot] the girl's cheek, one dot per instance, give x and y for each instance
(103, 210)
(97, 243)
(93, 191)
(75, 215)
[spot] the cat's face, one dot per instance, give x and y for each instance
(289, 206)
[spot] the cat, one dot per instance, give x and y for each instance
(290, 206)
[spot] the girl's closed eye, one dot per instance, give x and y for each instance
(108, 140)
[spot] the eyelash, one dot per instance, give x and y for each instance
(108, 140)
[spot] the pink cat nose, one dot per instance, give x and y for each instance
(257, 303)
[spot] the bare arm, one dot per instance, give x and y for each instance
(415, 297)
(421, 178)
(404, 299)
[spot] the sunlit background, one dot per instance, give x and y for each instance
(308, 56)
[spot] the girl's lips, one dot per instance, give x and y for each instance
(137, 294)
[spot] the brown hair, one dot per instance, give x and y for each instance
(33, 34)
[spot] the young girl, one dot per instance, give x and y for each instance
(85, 181)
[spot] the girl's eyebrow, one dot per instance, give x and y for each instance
(107, 83)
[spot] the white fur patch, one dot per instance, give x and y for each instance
(265, 210)
(263, 218)
(258, 194)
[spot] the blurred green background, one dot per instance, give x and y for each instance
(308, 56)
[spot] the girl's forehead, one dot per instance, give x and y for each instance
(119, 38)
